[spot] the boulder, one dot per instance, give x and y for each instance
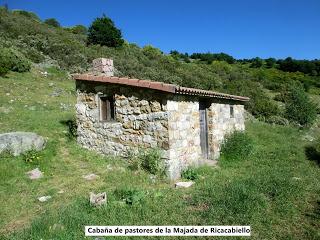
(20, 142)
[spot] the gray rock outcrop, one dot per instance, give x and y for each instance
(20, 142)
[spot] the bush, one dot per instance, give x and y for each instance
(130, 196)
(52, 22)
(31, 156)
(299, 108)
(190, 174)
(277, 120)
(27, 14)
(149, 160)
(237, 146)
(313, 151)
(103, 31)
(79, 29)
(11, 60)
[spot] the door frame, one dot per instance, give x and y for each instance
(204, 140)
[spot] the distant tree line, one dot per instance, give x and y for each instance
(310, 67)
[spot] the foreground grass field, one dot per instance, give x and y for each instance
(276, 190)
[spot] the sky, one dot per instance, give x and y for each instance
(241, 28)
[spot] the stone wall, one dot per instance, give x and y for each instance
(141, 119)
(149, 118)
(184, 134)
(220, 124)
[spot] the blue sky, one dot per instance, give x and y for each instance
(243, 28)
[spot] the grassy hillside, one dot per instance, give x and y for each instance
(276, 189)
(56, 46)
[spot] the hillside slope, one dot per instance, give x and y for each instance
(49, 46)
(275, 186)
(275, 189)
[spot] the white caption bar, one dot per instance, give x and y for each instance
(167, 231)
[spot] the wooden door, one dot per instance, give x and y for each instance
(203, 130)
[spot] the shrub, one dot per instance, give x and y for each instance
(31, 156)
(190, 174)
(27, 14)
(3, 69)
(152, 162)
(52, 22)
(237, 146)
(313, 151)
(299, 108)
(130, 196)
(151, 52)
(79, 29)
(11, 60)
(277, 120)
(72, 128)
(103, 31)
(149, 160)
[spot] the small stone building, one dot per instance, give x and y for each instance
(117, 115)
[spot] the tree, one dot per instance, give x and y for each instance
(270, 62)
(52, 22)
(256, 62)
(103, 31)
(299, 108)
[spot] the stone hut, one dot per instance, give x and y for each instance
(116, 115)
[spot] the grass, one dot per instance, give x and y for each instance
(275, 189)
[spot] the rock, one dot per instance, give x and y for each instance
(153, 178)
(5, 110)
(91, 176)
(35, 174)
(44, 198)
(56, 93)
(98, 199)
(184, 184)
(20, 142)
(109, 167)
(308, 138)
(45, 73)
(296, 178)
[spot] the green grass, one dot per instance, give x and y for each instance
(275, 189)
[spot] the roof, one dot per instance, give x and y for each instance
(164, 87)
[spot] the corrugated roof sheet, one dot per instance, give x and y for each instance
(165, 87)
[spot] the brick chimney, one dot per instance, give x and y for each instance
(103, 65)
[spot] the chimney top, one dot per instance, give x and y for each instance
(103, 65)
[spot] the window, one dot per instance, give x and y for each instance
(231, 112)
(107, 108)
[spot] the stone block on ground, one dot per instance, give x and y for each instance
(91, 177)
(98, 199)
(184, 184)
(35, 174)
(44, 198)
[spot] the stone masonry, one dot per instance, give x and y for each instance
(147, 118)
(152, 118)
(220, 124)
(139, 121)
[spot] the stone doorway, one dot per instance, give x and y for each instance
(204, 129)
